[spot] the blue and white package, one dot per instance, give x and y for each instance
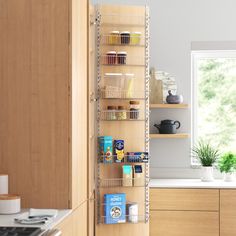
(115, 208)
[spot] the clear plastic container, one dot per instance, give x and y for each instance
(129, 85)
(114, 84)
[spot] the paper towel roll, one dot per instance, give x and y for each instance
(9, 204)
(3, 184)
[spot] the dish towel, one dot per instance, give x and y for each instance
(37, 216)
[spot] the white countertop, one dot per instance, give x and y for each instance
(8, 220)
(190, 183)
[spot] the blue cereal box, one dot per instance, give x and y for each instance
(115, 208)
(118, 150)
(105, 149)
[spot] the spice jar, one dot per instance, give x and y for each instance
(111, 57)
(114, 37)
(121, 114)
(111, 113)
(121, 58)
(134, 110)
(135, 38)
(125, 37)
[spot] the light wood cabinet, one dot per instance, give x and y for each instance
(227, 212)
(43, 100)
(179, 223)
(76, 223)
(184, 199)
(177, 212)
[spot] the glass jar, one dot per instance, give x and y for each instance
(111, 58)
(134, 110)
(125, 37)
(135, 38)
(121, 113)
(111, 113)
(114, 37)
(121, 58)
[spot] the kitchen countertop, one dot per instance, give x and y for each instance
(190, 183)
(8, 220)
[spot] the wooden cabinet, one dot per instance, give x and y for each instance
(43, 100)
(227, 212)
(177, 212)
(76, 223)
(179, 223)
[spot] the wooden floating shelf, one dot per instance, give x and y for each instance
(167, 106)
(163, 136)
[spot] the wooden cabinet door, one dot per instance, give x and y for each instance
(184, 223)
(34, 101)
(76, 223)
(227, 212)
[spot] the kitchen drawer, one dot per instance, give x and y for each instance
(184, 199)
(184, 223)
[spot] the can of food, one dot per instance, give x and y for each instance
(132, 212)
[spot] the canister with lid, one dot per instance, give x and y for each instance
(135, 38)
(111, 113)
(111, 57)
(121, 58)
(121, 113)
(134, 110)
(114, 37)
(125, 37)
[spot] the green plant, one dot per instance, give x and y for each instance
(227, 163)
(205, 153)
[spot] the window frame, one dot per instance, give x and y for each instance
(195, 56)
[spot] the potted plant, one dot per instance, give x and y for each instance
(207, 155)
(227, 165)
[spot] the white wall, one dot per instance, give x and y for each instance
(175, 24)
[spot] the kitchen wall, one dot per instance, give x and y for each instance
(175, 25)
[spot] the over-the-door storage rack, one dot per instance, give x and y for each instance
(134, 132)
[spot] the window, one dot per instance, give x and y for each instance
(214, 98)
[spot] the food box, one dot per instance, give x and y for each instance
(119, 150)
(115, 208)
(105, 149)
(137, 156)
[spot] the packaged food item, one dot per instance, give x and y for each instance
(132, 212)
(139, 179)
(134, 110)
(121, 58)
(135, 38)
(111, 58)
(121, 114)
(111, 113)
(127, 175)
(125, 37)
(115, 208)
(137, 156)
(114, 37)
(105, 149)
(119, 150)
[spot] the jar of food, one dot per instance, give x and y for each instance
(111, 113)
(111, 58)
(135, 38)
(134, 110)
(125, 37)
(114, 37)
(121, 113)
(121, 58)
